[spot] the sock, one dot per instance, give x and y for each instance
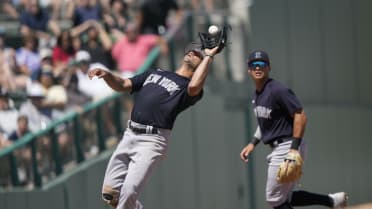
(304, 198)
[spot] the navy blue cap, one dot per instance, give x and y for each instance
(258, 55)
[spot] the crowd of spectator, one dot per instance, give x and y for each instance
(51, 65)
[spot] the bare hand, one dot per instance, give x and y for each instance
(212, 51)
(245, 152)
(97, 72)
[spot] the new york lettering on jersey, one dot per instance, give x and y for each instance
(262, 112)
(164, 82)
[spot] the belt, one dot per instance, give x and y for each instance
(142, 129)
(276, 142)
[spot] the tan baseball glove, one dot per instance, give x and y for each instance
(291, 169)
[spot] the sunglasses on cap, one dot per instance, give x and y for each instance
(259, 64)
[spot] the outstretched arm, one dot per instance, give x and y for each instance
(115, 82)
(201, 72)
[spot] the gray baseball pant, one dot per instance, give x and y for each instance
(130, 165)
(278, 193)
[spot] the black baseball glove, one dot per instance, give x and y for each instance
(219, 39)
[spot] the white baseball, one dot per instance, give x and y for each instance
(213, 29)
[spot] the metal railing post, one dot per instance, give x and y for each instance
(77, 140)
(56, 152)
(100, 131)
(35, 171)
(13, 170)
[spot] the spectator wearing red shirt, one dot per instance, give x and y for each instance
(63, 52)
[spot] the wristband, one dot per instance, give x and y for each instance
(296, 142)
(208, 55)
(255, 141)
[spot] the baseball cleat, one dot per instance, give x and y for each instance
(339, 200)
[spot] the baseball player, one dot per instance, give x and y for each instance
(281, 125)
(161, 96)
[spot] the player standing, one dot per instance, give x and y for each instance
(281, 125)
(161, 96)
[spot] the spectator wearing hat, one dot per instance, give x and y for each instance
(95, 89)
(75, 98)
(38, 116)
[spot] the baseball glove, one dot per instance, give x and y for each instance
(219, 39)
(291, 169)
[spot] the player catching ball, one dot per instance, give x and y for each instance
(281, 125)
(160, 96)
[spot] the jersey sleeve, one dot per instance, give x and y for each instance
(188, 100)
(193, 99)
(258, 133)
(288, 100)
(138, 80)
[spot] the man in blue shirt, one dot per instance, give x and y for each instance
(281, 125)
(161, 96)
(35, 19)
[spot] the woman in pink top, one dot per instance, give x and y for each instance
(132, 49)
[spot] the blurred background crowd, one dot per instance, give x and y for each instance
(44, 76)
